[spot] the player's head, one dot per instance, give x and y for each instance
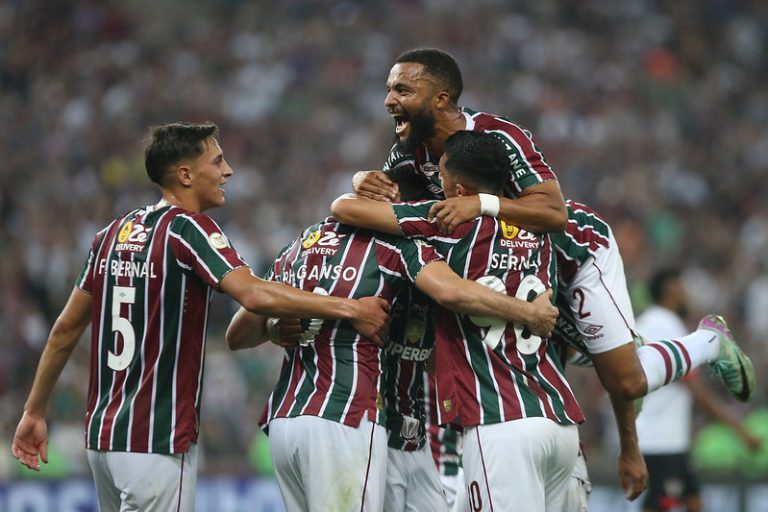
(667, 289)
(409, 186)
(421, 83)
(473, 162)
(188, 157)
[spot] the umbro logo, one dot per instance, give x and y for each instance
(593, 329)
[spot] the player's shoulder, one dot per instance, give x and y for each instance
(489, 122)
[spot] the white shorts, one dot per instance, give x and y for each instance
(413, 484)
(524, 464)
(599, 301)
(579, 488)
(323, 465)
(144, 482)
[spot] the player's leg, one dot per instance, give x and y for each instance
(579, 487)
(337, 467)
(424, 491)
(107, 494)
(526, 462)
(397, 481)
(287, 461)
(460, 499)
(148, 482)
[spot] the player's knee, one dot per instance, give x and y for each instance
(629, 387)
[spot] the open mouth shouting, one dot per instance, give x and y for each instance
(402, 124)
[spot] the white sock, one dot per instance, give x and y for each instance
(666, 361)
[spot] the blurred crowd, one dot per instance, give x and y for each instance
(655, 113)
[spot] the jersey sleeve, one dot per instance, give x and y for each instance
(397, 159)
(85, 280)
(412, 217)
(404, 257)
(527, 166)
(201, 247)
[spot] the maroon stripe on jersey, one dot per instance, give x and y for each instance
(404, 379)
(685, 353)
(297, 372)
(189, 356)
(586, 235)
(511, 406)
(667, 362)
(325, 367)
(482, 248)
(550, 372)
(150, 343)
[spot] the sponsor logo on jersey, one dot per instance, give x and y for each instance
(324, 244)
(408, 353)
(509, 231)
(218, 241)
(593, 332)
(428, 168)
(132, 237)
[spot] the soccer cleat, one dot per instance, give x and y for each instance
(732, 365)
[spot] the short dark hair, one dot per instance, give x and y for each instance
(659, 281)
(440, 65)
(410, 186)
(479, 159)
(171, 143)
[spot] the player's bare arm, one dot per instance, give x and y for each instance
(366, 213)
(615, 369)
(31, 438)
(540, 209)
(374, 185)
(470, 298)
(633, 473)
(369, 315)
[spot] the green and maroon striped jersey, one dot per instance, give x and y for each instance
(338, 376)
(586, 233)
(518, 378)
(527, 166)
(411, 340)
(444, 443)
(150, 273)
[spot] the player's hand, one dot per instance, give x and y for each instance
(754, 443)
(284, 332)
(633, 474)
(31, 440)
(545, 315)
(372, 321)
(450, 213)
(374, 185)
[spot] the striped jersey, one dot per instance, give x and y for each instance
(338, 375)
(411, 340)
(518, 378)
(586, 233)
(150, 273)
(527, 166)
(444, 443)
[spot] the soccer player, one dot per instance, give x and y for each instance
(497, 381)
(325, 415)
(145, 291)
(664, 427)
(424, 87)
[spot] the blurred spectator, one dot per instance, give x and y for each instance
(654, 112)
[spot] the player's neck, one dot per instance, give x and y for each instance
(171, 198)
(447, 124)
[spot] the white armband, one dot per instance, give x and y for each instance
(489, 204)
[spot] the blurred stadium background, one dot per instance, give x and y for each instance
(654, 112)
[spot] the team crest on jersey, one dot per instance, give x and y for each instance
(218, 241)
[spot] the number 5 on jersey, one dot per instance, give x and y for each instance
(122, 295)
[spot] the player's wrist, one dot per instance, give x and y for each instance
(489, 204)
(273, 330)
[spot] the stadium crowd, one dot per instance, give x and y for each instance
(655, 113)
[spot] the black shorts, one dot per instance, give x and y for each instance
(670, 481)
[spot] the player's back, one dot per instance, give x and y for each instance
(151, 273)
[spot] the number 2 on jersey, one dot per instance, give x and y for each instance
(122, 295)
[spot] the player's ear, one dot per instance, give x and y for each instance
(442, 99)
(461, 190)
(184, 175)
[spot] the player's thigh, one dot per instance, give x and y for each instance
(397, 480)
(599, 301)
(329, 465)
(424, 492)
(579, 487)
(518, 462)
(146, 482)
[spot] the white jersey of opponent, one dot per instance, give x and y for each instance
(664, 426)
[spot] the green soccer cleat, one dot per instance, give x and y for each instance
(732, 365)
